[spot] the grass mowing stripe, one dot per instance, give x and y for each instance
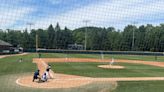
(91, 70)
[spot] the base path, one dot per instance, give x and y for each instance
(3, 56)
(68, 81)
(152, 63)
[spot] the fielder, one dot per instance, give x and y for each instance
(111, 63)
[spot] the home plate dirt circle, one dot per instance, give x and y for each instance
(111, 66)
(60, 81)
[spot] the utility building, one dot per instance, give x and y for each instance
(5, 47)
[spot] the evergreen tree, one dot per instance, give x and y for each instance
(51, 42)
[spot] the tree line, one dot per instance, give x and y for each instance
(146, 38)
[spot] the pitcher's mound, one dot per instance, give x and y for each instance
(111, 66)
(60, 81)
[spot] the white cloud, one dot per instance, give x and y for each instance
(10, 15)
(117, 13)
(109, 13)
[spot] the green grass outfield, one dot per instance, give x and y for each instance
(106, 56)
(11, 69)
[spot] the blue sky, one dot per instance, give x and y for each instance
(15, 14)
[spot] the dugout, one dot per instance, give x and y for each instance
(7, 48)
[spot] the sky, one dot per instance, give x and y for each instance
(17, 14)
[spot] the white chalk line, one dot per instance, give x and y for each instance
(116, 79)
(19, 83)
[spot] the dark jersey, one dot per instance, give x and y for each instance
(36, 73)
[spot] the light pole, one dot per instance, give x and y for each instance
(133, 36)
(36, 36)
(86, 22)
(30, 24)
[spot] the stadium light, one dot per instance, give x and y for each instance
(86, 24)
(133, 23)
(36, 36)
(30, 24)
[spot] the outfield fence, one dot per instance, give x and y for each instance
(96, 52)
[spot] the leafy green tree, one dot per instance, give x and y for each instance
(25, 43)
(58, 37)
(147, 38)
(127, 37)
(42, 38)
(114, 39)
(51, 42)
(140, 38)
(79, 36)
(67, 38)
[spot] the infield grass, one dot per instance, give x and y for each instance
(91, 70)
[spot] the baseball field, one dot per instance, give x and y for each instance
(81, 73)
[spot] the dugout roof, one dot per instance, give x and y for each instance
(3, 43)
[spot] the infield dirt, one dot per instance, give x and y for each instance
(69, 81)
